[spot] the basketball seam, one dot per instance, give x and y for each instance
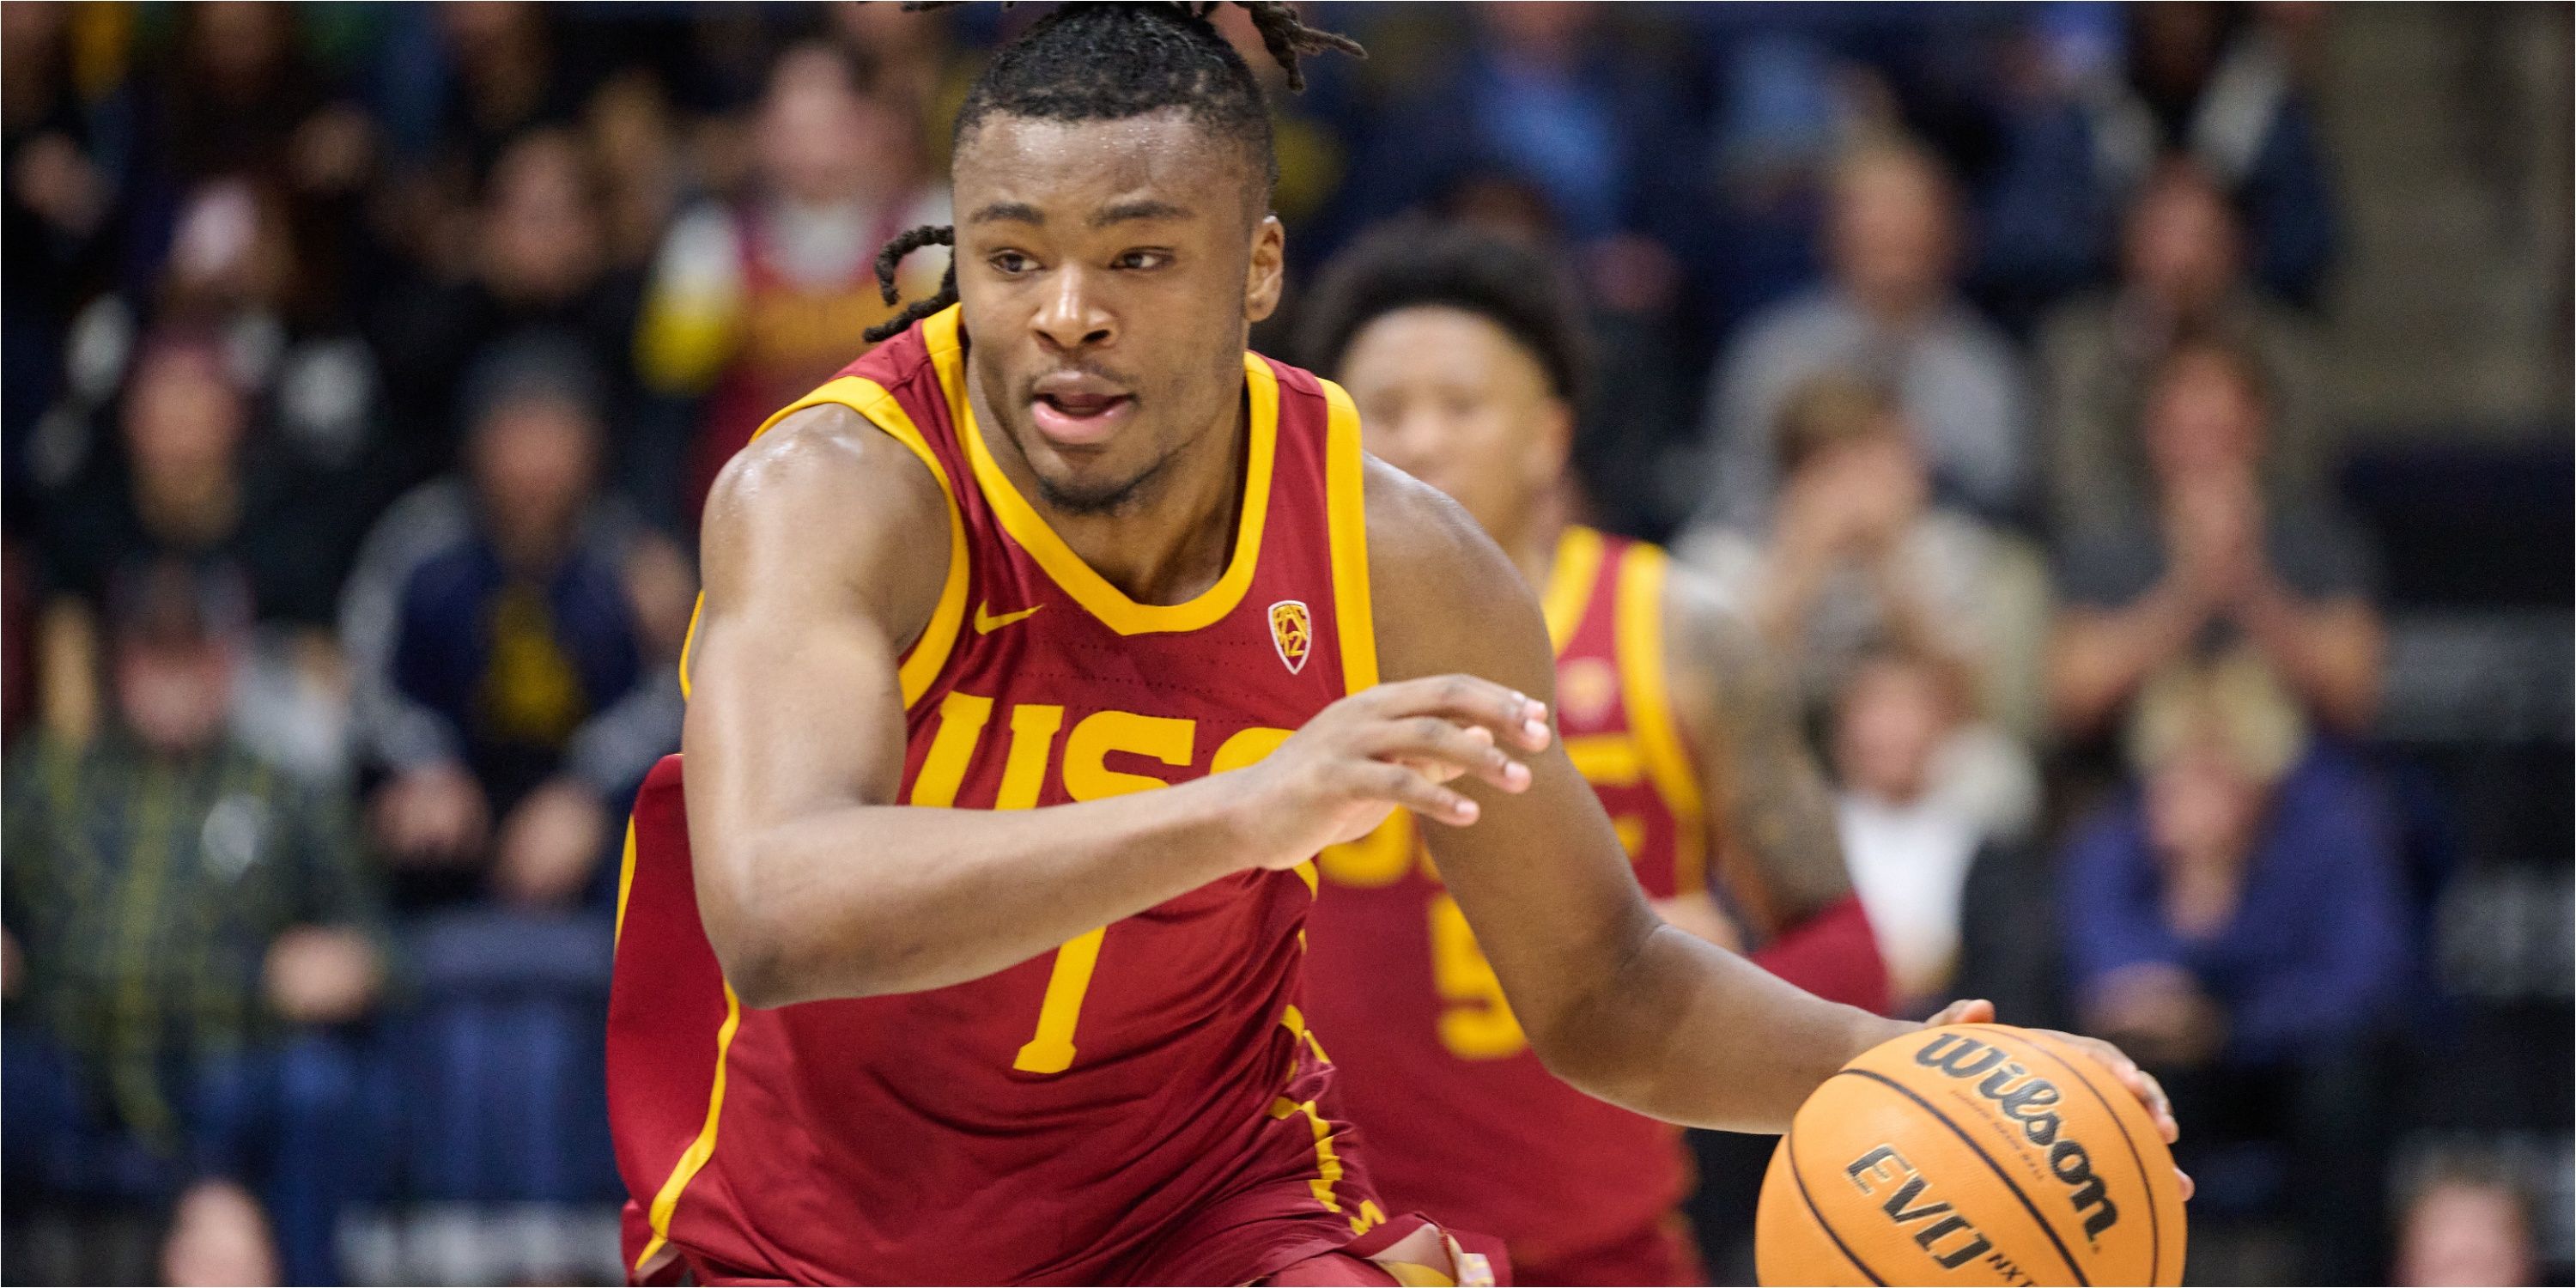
(2155, 1228)
(1799, 1179)
(1989, 1160)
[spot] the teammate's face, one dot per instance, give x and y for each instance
(1109, 272)
(1452, 399)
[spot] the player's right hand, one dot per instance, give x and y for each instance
(1393, 746)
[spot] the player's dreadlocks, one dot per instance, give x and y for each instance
(1416, 262)
(1108, 62)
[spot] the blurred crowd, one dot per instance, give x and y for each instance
(366, 367)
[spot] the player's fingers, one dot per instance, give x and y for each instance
(2189, 1186)
(1967, 1010)
(1438, 771)
(2140, 1083)
(1401, 786)
(1515, 717)
(1468, 748)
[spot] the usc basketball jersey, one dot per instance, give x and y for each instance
(1460, 1117)
(1138, 1104)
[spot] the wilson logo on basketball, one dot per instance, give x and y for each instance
(1292, 631)
(2025, 1098)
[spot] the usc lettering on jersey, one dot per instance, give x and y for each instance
(1141, 1103)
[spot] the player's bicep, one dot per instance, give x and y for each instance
(1540, 875)
(816, 578)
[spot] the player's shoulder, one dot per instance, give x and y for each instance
(828, 458)
(824, 511)
(1419, 539)
(1443, 596)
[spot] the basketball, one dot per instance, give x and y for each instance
(1973, 1154)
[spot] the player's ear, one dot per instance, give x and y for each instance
(1268, 272)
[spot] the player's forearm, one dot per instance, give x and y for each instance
(869, 900)
(1690, 1033)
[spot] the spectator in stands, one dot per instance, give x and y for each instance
(2466, 1226)
(506, 77)
(1545, 94)
(184, 927)
(58, 232)
(1890, 307)
(2221, 572)
(2181, 273)
(2221, 83)
(537, 260)
(2243, 904)
(203, 479)
(1860, 555)
(512, 632)
(2238, 921)
(754, 305)
(243, 97)
(1924, 792)
(629, 126)
(194, 486)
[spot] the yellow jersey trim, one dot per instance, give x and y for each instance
(1064, 567)
(1640, 646)
(1346, 526)
(667, 1199)
(1569, 583)
(921, 662)
(625, 884)
(1328, 1165)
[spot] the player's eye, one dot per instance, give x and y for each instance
(1010, 263)
(1142, 260)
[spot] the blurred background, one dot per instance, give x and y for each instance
(2149, 428)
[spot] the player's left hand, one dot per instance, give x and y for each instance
(2140, 1083)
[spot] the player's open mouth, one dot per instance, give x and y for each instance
(1073, 419)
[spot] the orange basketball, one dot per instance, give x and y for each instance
(1974, 1154)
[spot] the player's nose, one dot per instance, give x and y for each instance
(1071, 318)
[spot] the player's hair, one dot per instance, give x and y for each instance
(1108, 62)
(1415, 262)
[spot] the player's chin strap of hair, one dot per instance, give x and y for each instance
(1283, 33)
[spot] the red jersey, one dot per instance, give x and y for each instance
(1460, 1116)
(1137, 1105)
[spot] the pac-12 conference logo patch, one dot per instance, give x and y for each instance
(1291, 630)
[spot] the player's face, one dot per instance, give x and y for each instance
(1452, 399)
(1109, 271)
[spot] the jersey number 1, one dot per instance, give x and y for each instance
(1087, 777)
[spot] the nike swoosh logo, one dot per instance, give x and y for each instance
(986, 623)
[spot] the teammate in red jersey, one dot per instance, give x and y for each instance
(1463, 354)
(1037, 658)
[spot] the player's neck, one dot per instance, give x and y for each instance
(1175, 538)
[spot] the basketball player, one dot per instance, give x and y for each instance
(1039, 654)
(1462, 353)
